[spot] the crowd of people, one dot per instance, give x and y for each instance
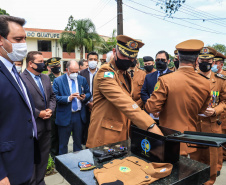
(96, 106)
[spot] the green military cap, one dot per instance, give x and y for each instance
(207, 53)
(55, 61)
(128, 46)
(219, 57)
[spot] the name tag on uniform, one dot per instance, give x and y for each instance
(108, 74)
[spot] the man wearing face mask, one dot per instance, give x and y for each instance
(180, 96)
(149, 64)
(162, 60)
(44, 99)
(138, 77)
(113, 106)
(18, 65)
(55, 67)
(18, 130)
(210, 121)
(89, 74)
(176, 60)
(72, 93)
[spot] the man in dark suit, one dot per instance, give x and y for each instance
(40, 88)
(161, 62)
(89, 74)
(17, 125)
(72, 92)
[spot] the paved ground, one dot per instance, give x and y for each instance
(57, 179)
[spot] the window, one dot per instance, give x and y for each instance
(65, 48)
(44, 45)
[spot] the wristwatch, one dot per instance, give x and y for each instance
(151, 126)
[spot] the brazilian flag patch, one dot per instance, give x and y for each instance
(157, 86)
(108, 74)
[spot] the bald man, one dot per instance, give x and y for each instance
(72, 93)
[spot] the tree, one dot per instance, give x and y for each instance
(170, 6)
(108, 45)
(3, 12)
(221, 48)
(80, 33)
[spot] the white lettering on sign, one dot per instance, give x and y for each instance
(42, 35)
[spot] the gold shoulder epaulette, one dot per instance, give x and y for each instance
(220, 76)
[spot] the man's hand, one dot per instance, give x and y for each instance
(49, 113)
(42, 114)
(156, 115)
(156, 130)
(72, 96)
(209, 112)
(82, 97)
(5, 181)
(90, 105)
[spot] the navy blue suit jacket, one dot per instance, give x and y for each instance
(149, 84)
(62, 92)
(16, 131)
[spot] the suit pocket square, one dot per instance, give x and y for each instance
(6, 146)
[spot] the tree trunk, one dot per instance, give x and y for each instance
(81, 52)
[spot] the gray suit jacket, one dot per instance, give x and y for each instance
(38, 98)
(85, 73)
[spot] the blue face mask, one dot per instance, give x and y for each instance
(214, 68)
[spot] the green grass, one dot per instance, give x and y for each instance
(50, 166)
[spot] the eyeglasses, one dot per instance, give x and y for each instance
(160, 59)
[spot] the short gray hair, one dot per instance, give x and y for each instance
(69, 63)
(188, 58)
(109, 54)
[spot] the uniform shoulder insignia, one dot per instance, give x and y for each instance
(109, 74)
(166, 73)
(157, 85)
(203, 76)
(220, 76)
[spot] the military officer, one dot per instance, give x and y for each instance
(219, 61)
(137, 75)
(113, 106)
(55, 67)
(209, 121)
(181, 95)
(149, 64)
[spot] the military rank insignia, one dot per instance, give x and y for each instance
(220, 76)
(214, 100)
(84, 165)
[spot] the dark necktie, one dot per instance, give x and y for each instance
(25, 97)
(41, 88)
(74, 101)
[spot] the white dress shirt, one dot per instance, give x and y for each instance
(77, 90)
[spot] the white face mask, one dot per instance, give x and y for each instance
(92, 64)
(19, 69)
(73, 76)
(19, 51)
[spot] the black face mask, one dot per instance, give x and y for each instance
(55, 70)
(176, 63)
(161, 66)
(205, 66)
(149, 68)
(122, 64)
(134, 63)
(40, 67)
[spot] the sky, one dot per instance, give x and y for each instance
(142, 19)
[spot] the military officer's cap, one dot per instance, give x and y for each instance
(190, 47)
(207, 53)
(219, 57)
(147, 59)
(55, 61)
(128, 46)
